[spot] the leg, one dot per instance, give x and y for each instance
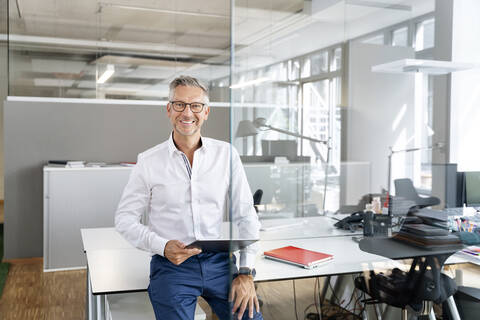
(89, 301)
(173, 290)
(216, 268)
(453, 308)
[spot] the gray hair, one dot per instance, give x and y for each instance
(187, 82)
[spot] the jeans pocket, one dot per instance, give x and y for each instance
(155, 266)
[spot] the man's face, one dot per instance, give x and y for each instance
(187, 123)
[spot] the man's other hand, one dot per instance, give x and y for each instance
(243, 291)
(176, 252)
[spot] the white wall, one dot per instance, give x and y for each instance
(465, 87)
(3, 95)
(380, 111)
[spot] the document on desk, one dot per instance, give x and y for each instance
(300, 257)
(472, 252)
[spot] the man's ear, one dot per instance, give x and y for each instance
(169, 108)
(207, 111)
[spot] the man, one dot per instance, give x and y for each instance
(184, 184)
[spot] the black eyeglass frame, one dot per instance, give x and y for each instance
(185, 105)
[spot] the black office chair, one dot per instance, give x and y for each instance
(404, 188)
(257, 198)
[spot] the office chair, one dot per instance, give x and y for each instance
(257, 198)
(404, 188)
(423, 282)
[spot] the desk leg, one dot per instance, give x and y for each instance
(87, 299)
(453, 308)
(106, 308)
(90, 303)
(100, 307)
(378, 312)
(324, 289)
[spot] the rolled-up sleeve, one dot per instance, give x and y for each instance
(133, 204)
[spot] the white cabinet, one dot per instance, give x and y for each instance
(75, 199)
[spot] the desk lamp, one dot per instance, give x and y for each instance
(251, 128)
(438, 145)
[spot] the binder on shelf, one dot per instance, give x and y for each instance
(67, 163)
(58, 162)
(128, 164)
(96, 164)
(300, 257)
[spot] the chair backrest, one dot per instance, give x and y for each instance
(257, 198)
(404, 188)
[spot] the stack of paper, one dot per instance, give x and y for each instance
(75, 164)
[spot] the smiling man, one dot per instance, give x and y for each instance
(184, 184)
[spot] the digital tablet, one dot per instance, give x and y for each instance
(221, 245)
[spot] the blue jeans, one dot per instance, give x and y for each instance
(174, 290)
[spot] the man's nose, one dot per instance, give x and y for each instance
(187, 111)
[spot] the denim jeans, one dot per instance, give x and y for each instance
(174, 290)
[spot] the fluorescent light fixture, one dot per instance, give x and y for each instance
(186, 13)
(434, 67)
(107, 74)
(377, 4)
(249, 83)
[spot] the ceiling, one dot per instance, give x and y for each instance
(60, 48)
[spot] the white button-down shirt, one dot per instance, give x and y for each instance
(184, 202)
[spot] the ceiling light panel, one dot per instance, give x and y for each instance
(61, 66)
(44, 82)
(133, 61)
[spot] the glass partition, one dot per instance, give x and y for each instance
(114, 50)
(314, 124)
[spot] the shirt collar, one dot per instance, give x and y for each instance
(172, 148)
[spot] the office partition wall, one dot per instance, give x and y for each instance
(38, 130)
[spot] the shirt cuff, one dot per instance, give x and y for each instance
(158, 245)
(247, 259)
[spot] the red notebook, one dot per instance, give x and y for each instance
(298, 256)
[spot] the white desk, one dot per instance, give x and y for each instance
(292, 228)
(115, 267)
(103, 239)
(348, 258)
(118, 270)
(300, 228)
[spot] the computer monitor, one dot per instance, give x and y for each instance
(472, 188)
(286, 148)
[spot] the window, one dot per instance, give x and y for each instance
(400, 37)
(293, 69)
(336, 60)
(319, 63)
(425, 34)
(376, 39)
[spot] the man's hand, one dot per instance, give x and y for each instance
(176, 252)
(243, 291)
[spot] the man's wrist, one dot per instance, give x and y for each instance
(245, 271)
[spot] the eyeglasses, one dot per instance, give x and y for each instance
(195, 107)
